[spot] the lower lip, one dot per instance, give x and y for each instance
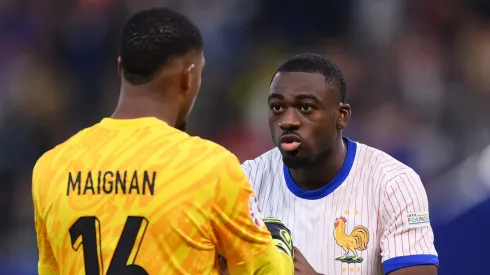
(290, 146)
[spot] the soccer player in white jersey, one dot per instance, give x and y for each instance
(354, 210)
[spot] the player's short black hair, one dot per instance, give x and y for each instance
(151, 38)
(315, 63)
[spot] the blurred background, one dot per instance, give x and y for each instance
(417, 74)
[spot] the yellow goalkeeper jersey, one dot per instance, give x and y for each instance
(140, 197)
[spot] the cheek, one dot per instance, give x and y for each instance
(188, 103)
(274, 127)
(199, 80)
(197, 83)
(320, 133)
(192, 104)
(273, 120)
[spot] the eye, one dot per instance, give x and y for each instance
(276, 108)
(306, 108)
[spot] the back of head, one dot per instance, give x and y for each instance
(161, 53)
(151, 39)
(315, 63)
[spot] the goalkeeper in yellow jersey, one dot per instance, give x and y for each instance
(134, 194)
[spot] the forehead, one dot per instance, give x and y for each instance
(291, 84)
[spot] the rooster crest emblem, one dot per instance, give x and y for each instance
(356, 241)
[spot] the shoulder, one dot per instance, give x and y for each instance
(212, 157)
(200, 155)
(384, 168)
(46, 161)
(47, 167)
(220, 167)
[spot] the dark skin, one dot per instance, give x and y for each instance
(301, 265)
(303, 105)
(169, 96)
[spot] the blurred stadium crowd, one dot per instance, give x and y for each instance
(417, 75)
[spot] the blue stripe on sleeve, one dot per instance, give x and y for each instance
(393, 264)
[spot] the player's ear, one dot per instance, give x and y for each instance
(119, 66)
(343, 116)
(187, 74)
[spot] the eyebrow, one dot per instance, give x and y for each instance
(305, 96)
(297, 97)
(275, 95)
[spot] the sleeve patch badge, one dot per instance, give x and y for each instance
(255, 212)
(418, 219)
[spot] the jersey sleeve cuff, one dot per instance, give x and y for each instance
(393, 264)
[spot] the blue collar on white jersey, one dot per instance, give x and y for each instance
(327, 188)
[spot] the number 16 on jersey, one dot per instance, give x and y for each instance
(86, 232)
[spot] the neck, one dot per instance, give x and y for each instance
(145, 103)
(320, 173)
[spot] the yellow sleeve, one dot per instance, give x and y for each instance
(241, 235)
(47, 264)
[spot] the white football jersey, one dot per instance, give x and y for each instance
(371, 219)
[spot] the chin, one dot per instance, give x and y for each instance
(295, 161)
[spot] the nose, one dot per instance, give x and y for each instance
(289, 121)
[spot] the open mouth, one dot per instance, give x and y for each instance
(290, 143)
